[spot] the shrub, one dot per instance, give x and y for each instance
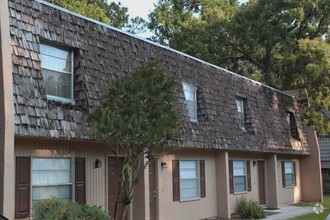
(58, 209)
(249, 209)
(93, 213)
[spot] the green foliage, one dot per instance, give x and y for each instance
(84, 7)
(249, 209)
(137, 115)
(282, 43)
(138, 110)
(109, 13)
(93, 213)
(55, 208)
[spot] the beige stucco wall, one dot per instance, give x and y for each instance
(288, 195)
(254, 193)
(7, 192)
(311, 177)
(187, 210)
(96, 179)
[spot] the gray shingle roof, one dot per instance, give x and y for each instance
(103, 53)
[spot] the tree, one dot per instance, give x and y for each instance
(137, 116)
(113, 13)
(263, 40)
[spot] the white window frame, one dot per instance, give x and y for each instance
(55, 184)
(241, 113)
(59, 98)
(195, 178)
(190, 88)
(245, 176)
(286, 174)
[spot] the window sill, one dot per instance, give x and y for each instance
(61, 100)
(289, 187)
(194, 121)
(240, 193)
(190, 199)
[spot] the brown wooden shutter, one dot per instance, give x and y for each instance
(294, 173)
(283, 173)
(22, 187)
(248, 175)
(202, 177)
(176, 180)
(80, 180)
(231, 178)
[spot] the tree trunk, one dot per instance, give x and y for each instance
(267, 76)
(130, 183)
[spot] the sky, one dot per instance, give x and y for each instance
(142, 9)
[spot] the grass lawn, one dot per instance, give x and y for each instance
(314, 216)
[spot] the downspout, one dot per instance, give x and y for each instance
(7, 171)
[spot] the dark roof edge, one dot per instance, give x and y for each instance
(158, 45)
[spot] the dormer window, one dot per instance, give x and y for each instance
(191, 100)
(293, 125)
(240, 112)
(57, 72)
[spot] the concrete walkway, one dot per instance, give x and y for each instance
(288, 211)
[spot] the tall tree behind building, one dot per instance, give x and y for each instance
(110, 13)
(283, 43)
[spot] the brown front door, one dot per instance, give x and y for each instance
(261, 180)
(115, 165)
(152, 191)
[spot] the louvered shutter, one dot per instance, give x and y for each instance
(176, 180)
(248, 173)
(231, 178)
(283, 174)
(202, 177)
(80, 180)
(22, 187)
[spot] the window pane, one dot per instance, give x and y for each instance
(55, 58)
(43, 192)
(239, 175)
(192, 109)
(51, 177)
(190, 96)
(57, 84)
(239, 183)
(188, 164)
(189, 179)
(189, 92)
(288, 167)
(189, 188)
(51, 164)
(239, 167)
(57, 71)
(289, 179)
(45, 177)
(239, 105)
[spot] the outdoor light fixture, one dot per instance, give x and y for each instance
(163, 164)
(98, 163)
(254, 163)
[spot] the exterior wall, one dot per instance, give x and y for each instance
(187, 210)
(311, 180)
(7, 172)
(292, 194)
(96, 179)
(254, 193)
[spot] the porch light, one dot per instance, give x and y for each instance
(163, 164)
(98, 163)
